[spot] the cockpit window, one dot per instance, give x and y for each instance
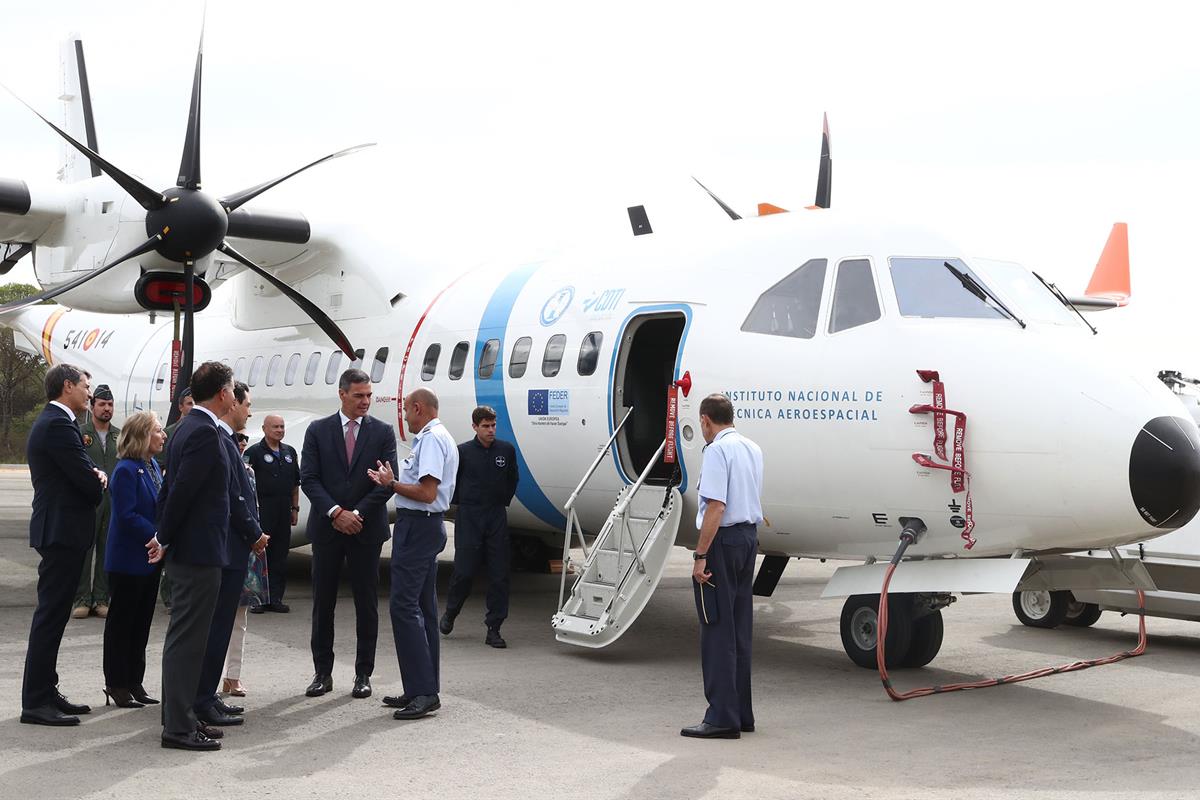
(790, 307)
(854, 300)
(926, 288)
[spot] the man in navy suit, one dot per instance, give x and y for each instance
(347, 522)
(67, 487)
(244, 535)
(193, 528)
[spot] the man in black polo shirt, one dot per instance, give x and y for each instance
(277, 473)
(487, 481)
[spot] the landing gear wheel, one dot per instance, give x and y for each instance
(926, 640)
(1041, 609)
(530, 554)
(860, 629)
(1082, 615)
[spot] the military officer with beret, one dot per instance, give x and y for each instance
(277, 471)
(100, 441)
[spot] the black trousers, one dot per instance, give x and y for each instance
(219, 631)
(275, 517)
(481, 537)
(363, 560)
(416, 542)
(725, 642)
(194, 592)
(58, 575)
(127, 627)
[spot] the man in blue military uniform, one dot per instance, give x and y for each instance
(277, 473)
(423, 491)
(486, 483)
(730, 493)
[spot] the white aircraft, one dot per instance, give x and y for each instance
(836, 337)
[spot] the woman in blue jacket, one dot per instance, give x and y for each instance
(133, 581)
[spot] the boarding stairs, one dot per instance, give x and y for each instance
(622, 568)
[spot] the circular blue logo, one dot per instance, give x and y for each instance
(557, 305)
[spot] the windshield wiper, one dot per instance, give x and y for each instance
(974, 287)
(1066, 301)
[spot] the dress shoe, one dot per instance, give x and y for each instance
(101, 611)
(189, 741)
(233, 686)
(67, 707)
(228, 708)
(420, 706)
(280, 608)
(706, 731)
(209, 731)
(260, 609)
(211, 716)
(396, 700)
(362, 686)
(122, 698)
(446, 624)
(494, 639)
(47, 715)
(140, 695)
(747, 729)
(80, 612)
(319, 686)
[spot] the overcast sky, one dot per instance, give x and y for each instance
(1022, 132)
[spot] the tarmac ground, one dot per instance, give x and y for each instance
(543, 719)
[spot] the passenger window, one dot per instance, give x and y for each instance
(358, 359)
(458, 360)
(331, 371)
(552, 358)
(379, 364)
(273, 369)
(310, 370)
(926, 288)
(239, 369)
(255, 371)
(293, 366)
(589, 353)
(429, 366)
(854, 300)
(487, 358)
(790, 307)
(518, 359)
(161, 377)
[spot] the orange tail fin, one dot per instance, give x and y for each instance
(1110, 281)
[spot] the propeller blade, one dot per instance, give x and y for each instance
(141, 249)
(315, 314)
(146, 197)
(189, 164)
(234, 201)
(732, 214)
(825, 174)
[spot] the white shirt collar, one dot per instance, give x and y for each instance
(70, 413)
(433, 423)
(199, 407)
(722, 434)
(346, 420)
(223, 425)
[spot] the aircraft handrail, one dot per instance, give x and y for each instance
(596, 462)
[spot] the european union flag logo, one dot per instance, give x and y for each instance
(539, 402)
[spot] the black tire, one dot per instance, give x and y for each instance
(926, 640)
(1041, 609)
(859, 629)
(1083, 615)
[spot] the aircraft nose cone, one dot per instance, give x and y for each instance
(1164, 472)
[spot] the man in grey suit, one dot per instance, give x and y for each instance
(193, 528)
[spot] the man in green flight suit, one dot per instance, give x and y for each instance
(100, 441)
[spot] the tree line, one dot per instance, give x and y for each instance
(22, 395)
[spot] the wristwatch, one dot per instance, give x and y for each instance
(699, 556)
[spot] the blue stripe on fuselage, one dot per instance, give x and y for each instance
(490, 391)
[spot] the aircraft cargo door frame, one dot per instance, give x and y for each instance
(644, 365)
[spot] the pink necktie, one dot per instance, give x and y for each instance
(350, 441)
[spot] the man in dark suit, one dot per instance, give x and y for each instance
(193, 526)
(67, 487)
(348, 522)
(244, 535)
